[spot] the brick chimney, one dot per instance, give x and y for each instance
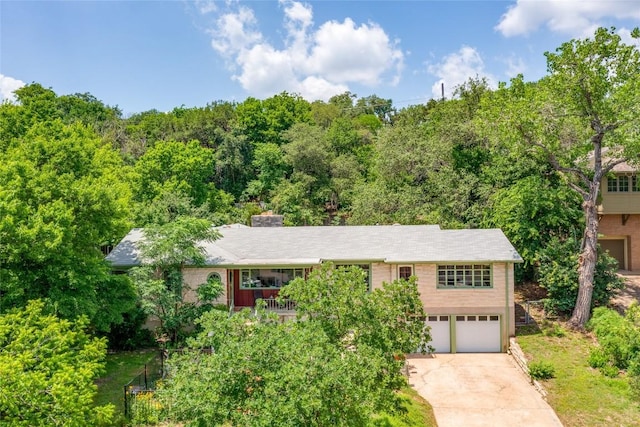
(266, 219)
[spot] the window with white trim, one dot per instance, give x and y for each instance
(268, 278)
(405, 271)
(464, 276)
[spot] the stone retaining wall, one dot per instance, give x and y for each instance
(521, 361)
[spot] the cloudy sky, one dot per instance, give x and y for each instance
(141, 55)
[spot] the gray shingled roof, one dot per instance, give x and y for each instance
(284, 246)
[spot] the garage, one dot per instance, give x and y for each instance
(615, 247)
(440, 333)
(477, 334)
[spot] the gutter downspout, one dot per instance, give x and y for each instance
(506, 305)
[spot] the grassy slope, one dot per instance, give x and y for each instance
(120, 369)
(580, 395)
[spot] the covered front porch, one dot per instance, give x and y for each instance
(247, 285)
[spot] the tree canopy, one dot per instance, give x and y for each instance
(47, 370)
(335, 368)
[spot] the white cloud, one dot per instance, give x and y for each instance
(7, 86)
(456, 68)
(206, 6)
(235, 31)
(316, 63)
(572, 17)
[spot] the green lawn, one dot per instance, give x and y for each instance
(580, 395)
(121, 368)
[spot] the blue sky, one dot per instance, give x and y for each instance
(141, 55)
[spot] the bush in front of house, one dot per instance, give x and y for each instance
(619, 344)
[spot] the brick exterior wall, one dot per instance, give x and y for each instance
(435, 301)
(471, 301)
(194, 277)
(611, 226)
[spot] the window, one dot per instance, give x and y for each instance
(405, 271)
(214, 277)
(268, 278)
(464, 276)
(635, 183)
(620, 183)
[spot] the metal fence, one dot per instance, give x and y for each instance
(143, 384)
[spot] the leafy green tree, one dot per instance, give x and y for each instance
(532, 212)
(269, 162)
(165, 251)
(582, 118)
(336, 367)
(558, 274)
(232, 157)
(61, 198)
(176, 167)
(264, 121)
(373, 104)
(47, 370)
(338, 299)
(265, 373)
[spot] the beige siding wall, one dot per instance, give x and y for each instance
(612, 226)
(471, 301)
(380, 273)
(619, 202)
(194, 277)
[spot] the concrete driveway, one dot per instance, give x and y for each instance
(481, 390)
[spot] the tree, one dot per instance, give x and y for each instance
(268, 160)
(176, 167)
(532, 212)
(61, 198)
(165, 251)
(47, 370)
(583, 119)
(387, 318)
(336, 367)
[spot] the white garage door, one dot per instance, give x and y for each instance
(440, 333)
(478, 334)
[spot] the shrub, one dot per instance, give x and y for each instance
(618, 337)
(558, 274)
(598, 358)
(541, 370)
(609, 371)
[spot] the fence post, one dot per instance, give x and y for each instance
(146, 387)
(126, 403)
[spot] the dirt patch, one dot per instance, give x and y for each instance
(629, 294)
(524, 292)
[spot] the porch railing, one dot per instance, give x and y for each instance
(275, 305)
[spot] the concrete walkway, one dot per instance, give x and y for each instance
(468, 390)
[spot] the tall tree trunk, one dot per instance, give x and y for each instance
(586, 264)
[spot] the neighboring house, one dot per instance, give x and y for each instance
(619, 216)
(465, 277)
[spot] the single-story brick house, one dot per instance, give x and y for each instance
(465, 277)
